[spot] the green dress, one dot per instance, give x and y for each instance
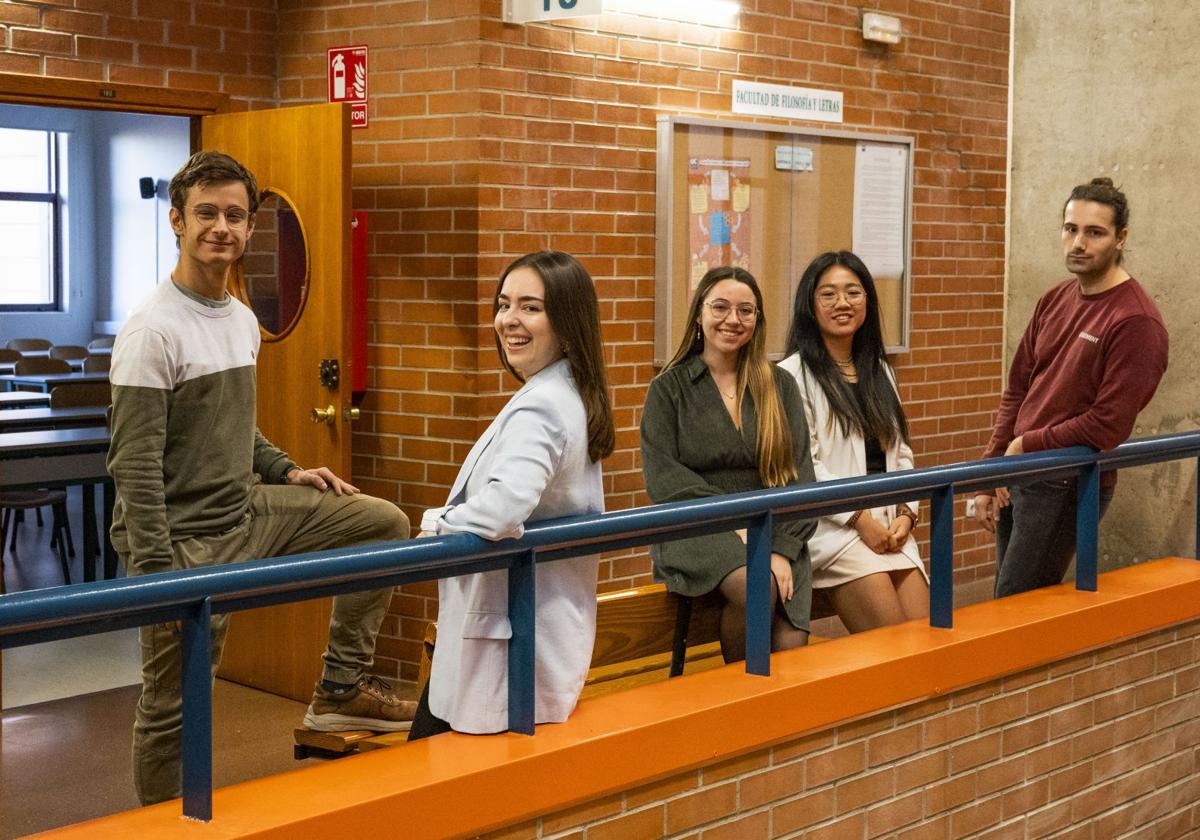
(691, 449)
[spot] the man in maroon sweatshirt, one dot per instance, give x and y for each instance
(1091, 358)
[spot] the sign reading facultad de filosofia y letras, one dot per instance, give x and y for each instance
(790, 103)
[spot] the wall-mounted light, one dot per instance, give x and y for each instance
(883, 29)
(713, 12)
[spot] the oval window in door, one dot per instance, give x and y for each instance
(274, 267)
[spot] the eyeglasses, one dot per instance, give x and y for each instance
(207, 215)
(720, 309)
(828, 298)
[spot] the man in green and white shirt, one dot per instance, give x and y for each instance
(198, 485)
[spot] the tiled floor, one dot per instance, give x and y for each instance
(68, 711)
(67, 668)
(70, 667)
(69, 760)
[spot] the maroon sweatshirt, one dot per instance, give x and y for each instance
(1085, 367)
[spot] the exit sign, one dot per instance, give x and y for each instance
(523, 11)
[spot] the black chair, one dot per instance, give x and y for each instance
(14, 503)
(822, 607)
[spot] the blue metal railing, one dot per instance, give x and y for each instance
(192, 596)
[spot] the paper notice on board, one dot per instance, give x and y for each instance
(741, 198)
(880, 187)
(794, 158)
(699, 198)
(720, 185)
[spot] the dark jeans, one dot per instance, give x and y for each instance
(1035, 537)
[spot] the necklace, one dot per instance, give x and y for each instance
(848, 363)
(722, 393)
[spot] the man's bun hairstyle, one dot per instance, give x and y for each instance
(1102, 191)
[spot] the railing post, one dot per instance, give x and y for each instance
(1087, 523)
(196, 656)
(941, 557)
(521, 651)
(759, 609)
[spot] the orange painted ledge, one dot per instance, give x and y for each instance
(460, 785)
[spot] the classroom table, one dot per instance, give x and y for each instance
(23, 399)
(76, 364)
(62, 458)
(9, 368)
(46, 381)
(31, 419)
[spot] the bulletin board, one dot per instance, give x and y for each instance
(769, 199)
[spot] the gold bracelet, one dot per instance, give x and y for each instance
(854, 518)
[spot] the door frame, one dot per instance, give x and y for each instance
(59, 92)
(82, 94)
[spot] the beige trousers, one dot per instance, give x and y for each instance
(281, 520)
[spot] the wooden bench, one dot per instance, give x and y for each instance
(641, 637)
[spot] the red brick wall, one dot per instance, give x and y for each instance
(416, 173)
(574, 113)
(1103, 744)
(227, 47)
(568, 162)
(489, 140)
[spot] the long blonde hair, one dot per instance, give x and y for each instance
(755, 373)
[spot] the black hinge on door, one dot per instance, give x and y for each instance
(330, 374)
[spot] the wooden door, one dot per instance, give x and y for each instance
(303, 154)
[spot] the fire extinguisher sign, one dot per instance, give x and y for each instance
(348, 81)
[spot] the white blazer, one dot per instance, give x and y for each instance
(531, 463)
(837, 455)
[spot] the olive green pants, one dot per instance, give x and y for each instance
(281, 520)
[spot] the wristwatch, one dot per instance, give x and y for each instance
(905, 510)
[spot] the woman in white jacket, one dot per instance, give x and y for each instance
(867, 560)
(539, 459)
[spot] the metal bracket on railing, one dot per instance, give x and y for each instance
(521, 614)
(1087, 525)
(196, 655)
(759, 609)
(941, 557)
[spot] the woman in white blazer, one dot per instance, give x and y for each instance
(539, 459)
(867, 560)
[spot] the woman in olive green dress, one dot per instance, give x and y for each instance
(720, 418)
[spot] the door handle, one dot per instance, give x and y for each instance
(325, 415)
(349, 413)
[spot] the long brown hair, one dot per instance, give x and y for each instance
(755, 373)
(574, 315)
